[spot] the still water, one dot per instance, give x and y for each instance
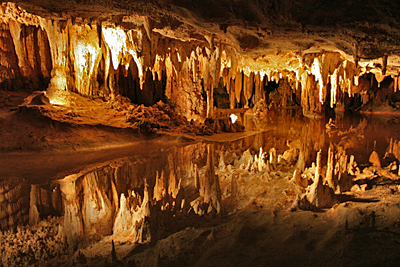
(146, 191)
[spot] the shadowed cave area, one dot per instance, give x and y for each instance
(199, 133)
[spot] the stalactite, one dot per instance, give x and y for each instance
(316, 70)
(8, 61)
(31, 50)
(23, 62)
(232, 95)
(44, 53)
(210, 97)
(334, 87)
(86, 55)
(379, 78)
(384, 64)
(170, 77)
(185, 64)
(238, 85)
(257, 87)
(398, 83)
(248, 87)
(60, 82)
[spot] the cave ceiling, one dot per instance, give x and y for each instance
(363, 29)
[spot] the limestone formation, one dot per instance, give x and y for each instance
(318, 194)
(374, 159)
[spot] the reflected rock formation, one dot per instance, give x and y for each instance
(145, 199)
(134, 199)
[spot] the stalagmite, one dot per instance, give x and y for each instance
(319, 195)
(330, 167)
(273, 160)
(394, 148)
(160, 188)
(374, 159)
(298, 179)
(261, 161)
(212, 191)
(34, 202)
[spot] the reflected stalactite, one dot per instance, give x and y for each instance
(126, 198)
(14, 203)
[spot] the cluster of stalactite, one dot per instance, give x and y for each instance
(25, 53)
(104, 59)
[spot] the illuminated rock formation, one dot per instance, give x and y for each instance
(138, 57)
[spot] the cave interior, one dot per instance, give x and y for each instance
(199, 133)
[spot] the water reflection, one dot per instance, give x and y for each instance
(145, 197)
